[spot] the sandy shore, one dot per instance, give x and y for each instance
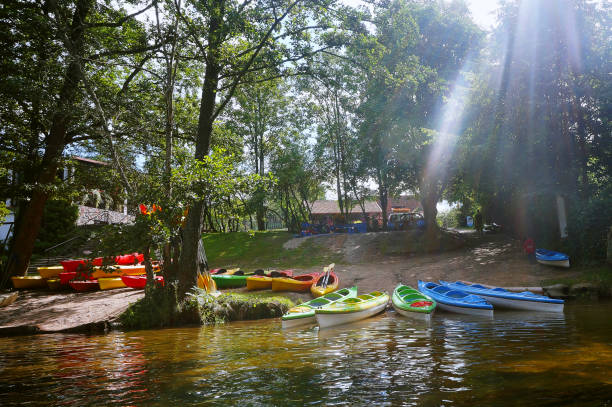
(496, 260)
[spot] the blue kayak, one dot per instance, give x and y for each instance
(456, 300)
(552, 258)
(503, 298)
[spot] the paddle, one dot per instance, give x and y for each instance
(328, 272)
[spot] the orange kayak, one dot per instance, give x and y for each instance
(299, 283)
(118, 271)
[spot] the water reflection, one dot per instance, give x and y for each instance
(514, 358)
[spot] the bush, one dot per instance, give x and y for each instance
(58, 224)
(588, 225)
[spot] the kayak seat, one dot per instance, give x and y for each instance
(365, 297)
(375, 294)
(441, 289)
(457, 294)
(411, 297)
(333, 296)
(352, 300)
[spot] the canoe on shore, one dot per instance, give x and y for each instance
(352, 309)
(109, 283)
(263, 281)
(457, 301)
(139, 282)
(552, 258)
(300, 284)
(321, 287)
(409, 302)
(230, 280)
(49, 271)
(304, 313)
(28, 282)
(503, 298)
(85, 285)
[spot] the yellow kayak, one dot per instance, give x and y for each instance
(50, 271)
(28, 282)
(55, 284)
(258, 283)
(326, 283)
(108, 283)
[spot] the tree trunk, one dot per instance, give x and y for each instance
(192, 233)
(27, 232)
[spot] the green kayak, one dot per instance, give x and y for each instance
(410, 302)
(231, 280)
(305, 313)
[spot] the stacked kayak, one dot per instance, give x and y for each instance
(411, 303)
(304, 313)
(299, 283)
(326, 283)
(503, 298)
(263, 281)
(139, 282)
(458, 301)
(551, 258)
(28, 282)
(50, 271)
(109, 283)
(84, 285)
(352, 309)
(234, 280)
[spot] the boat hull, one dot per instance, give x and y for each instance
(28, 282)
(555, 263)
(139, 282)
(306, 320)
(341, 318)
(423, 316)
(55, 284)
(258, 283)
(85, 285)
(50, 272)
(465, 310)
(229, 281)
(109, 283)
(523, 304)
(300, 284)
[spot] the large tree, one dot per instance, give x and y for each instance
(237, 39)
(50, 51)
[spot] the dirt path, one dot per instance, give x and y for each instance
(496, 260)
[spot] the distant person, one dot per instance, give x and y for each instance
(478, 222)
(529, 248)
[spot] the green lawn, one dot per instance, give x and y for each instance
(598, 275)
(264, 250)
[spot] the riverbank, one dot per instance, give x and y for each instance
(494, 260)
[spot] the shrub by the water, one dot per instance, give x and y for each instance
(161, 308)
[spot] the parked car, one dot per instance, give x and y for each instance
(405, 221)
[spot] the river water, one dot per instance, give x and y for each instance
(513, 359)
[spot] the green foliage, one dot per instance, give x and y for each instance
(58, 224)
(588, 225)
(452, 218)
(599, 275)
(4, 211)
(159, 308)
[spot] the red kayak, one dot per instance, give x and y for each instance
(128, 259)
(139, 282)
(85, 285)
(67, 276)
(72, 265)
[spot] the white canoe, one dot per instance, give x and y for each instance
(352, 309)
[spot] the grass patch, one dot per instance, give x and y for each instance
(239, 307)
(264, 250)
